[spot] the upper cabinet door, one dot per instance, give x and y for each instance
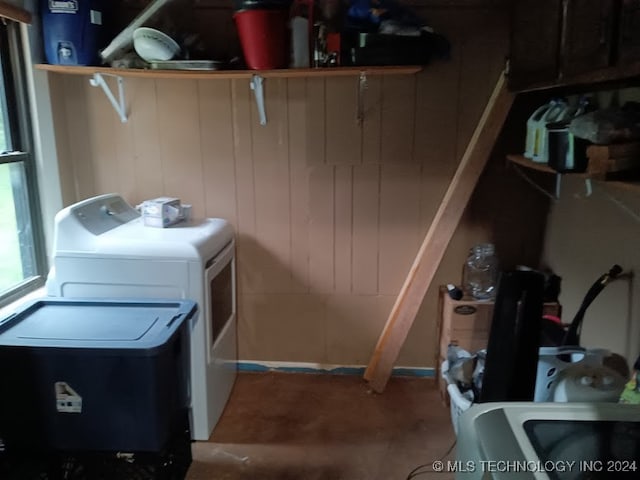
(535, 39)
(629, 41)
(588, 36)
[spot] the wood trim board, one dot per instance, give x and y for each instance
(231, 74)
(438, 237)
(15, 13)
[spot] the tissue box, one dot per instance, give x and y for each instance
(161, 212)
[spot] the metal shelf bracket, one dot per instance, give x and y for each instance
(363, 84)
(555, 196)
(257, 86)
(119, 104)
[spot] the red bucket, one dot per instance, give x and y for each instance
(263, 36)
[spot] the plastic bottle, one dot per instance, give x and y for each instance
(480, 272)
(300, 34)
(532, 125)
(540, 149)
(564, 114)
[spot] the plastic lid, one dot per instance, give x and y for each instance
(96, 324)
(115, 324)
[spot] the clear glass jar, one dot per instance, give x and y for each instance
(480, 273)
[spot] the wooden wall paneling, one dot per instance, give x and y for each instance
(248, 277)
(321, 229)
(343, 133)
(353, 323)
(217, 32)
(179, 129)
(436, 129)
(399, 232)
(298, 183)
(316, 121)
(216, 145)
(102, 137)
(272, 197)
(124, 141)
(477, 78)
(78, 135)
(398, 119)
(421, 346)
(61, 132)
(372, 121)
(147, 150)
(288, 328)
(343, 205)
(366, 226)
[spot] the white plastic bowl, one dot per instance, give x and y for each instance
(154, 45)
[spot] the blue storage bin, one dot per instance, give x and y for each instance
(103, 375)
(73, 30)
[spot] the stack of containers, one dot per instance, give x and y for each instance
(567, 153)
(263, 30)
(548, 138)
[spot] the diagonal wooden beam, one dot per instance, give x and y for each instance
(438, 237)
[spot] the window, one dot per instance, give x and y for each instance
(22, 259)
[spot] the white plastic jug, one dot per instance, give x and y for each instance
(532, 125)
(540, 147)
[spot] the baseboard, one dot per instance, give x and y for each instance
(303, 367)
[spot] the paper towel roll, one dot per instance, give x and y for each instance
(588, 383)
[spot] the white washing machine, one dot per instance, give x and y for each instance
(103, 249)
(547, 441)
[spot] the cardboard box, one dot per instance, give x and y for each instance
(465, 323)
(161, 212)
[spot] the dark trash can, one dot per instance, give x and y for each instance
(94, 375)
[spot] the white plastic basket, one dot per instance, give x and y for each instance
(549, 366)
(458, 403)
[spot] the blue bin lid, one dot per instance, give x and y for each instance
(95, 324)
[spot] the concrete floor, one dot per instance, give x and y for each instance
(325, 427)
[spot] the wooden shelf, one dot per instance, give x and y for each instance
(255, 78)
(620, 75)
(530, 164)
(232, 74)
(633, 186)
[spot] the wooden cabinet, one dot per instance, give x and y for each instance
(535, 40)
(629, 32)
(587, 36)
(559, 42)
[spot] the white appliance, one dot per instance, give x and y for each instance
(103, 249)
(548, 441)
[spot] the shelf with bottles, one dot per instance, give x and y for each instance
(255, 77)
(233, 74)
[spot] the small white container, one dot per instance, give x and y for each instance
(541, 145)
(161, 212)
(299, 42)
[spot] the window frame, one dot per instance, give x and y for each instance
(14, 73)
